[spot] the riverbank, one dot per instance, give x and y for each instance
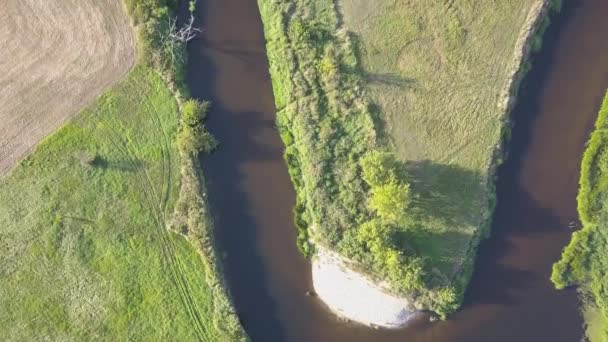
(105, 226)
(353, 296)
(339, 97)
(191, 217)
(584, 261)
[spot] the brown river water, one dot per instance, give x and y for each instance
(510, 297)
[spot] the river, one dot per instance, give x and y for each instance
(510, 297)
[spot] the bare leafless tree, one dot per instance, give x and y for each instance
(186, 33)
(176, 36)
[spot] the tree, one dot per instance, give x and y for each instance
(378, 168)
(375, 235)
(390, 201)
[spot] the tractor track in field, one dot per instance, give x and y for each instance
(156, 201)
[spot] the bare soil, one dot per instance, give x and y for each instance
(56, 57)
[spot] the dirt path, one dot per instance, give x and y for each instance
(56, 58)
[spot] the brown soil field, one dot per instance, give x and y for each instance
(56, 57)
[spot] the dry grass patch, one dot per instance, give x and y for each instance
(57, 57)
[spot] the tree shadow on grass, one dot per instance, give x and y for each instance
(449, 193)
(444, 250)
(391, 80)
(124, 165)
(497, 278)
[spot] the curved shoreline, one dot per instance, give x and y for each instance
(523, 51)
(508, 297)
(352, 296)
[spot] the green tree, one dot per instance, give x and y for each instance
(376, 236)
(390, 201)
(378, 168)
(405, 271)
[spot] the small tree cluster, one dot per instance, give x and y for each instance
(193, 137)
(390, 192)
(390, 198)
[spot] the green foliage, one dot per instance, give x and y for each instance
(390, 193)
(449, 301)
(376, 236)
(323, 150)
(405, 272)
(152, 19)
(413, 53)
(345, 178)
(338, 81)
(193, 137)
(194, 112)
(86, 217)
(379, 168)
(390, 201)
(584, 261)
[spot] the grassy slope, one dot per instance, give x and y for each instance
(424, 79)
(585, 261)
(86, 249)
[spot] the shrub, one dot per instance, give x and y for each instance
(376, 236)
(194, 112)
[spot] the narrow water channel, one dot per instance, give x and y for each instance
(510, 297)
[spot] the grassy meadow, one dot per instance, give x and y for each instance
(86, 253)
(584, 261)
(414, 91)
(437, 72)
(104, 229)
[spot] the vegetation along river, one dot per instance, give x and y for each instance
(510, 297)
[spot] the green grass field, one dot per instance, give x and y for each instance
(584, 261)
(86, 253)
(425, 81)
(104, 230)
(437, 71)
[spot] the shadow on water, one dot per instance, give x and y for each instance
(230, 198)
(236, 229)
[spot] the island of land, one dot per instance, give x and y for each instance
(394, 115)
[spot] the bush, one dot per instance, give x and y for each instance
(194, 112)
(390, 192)
(405, 272)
